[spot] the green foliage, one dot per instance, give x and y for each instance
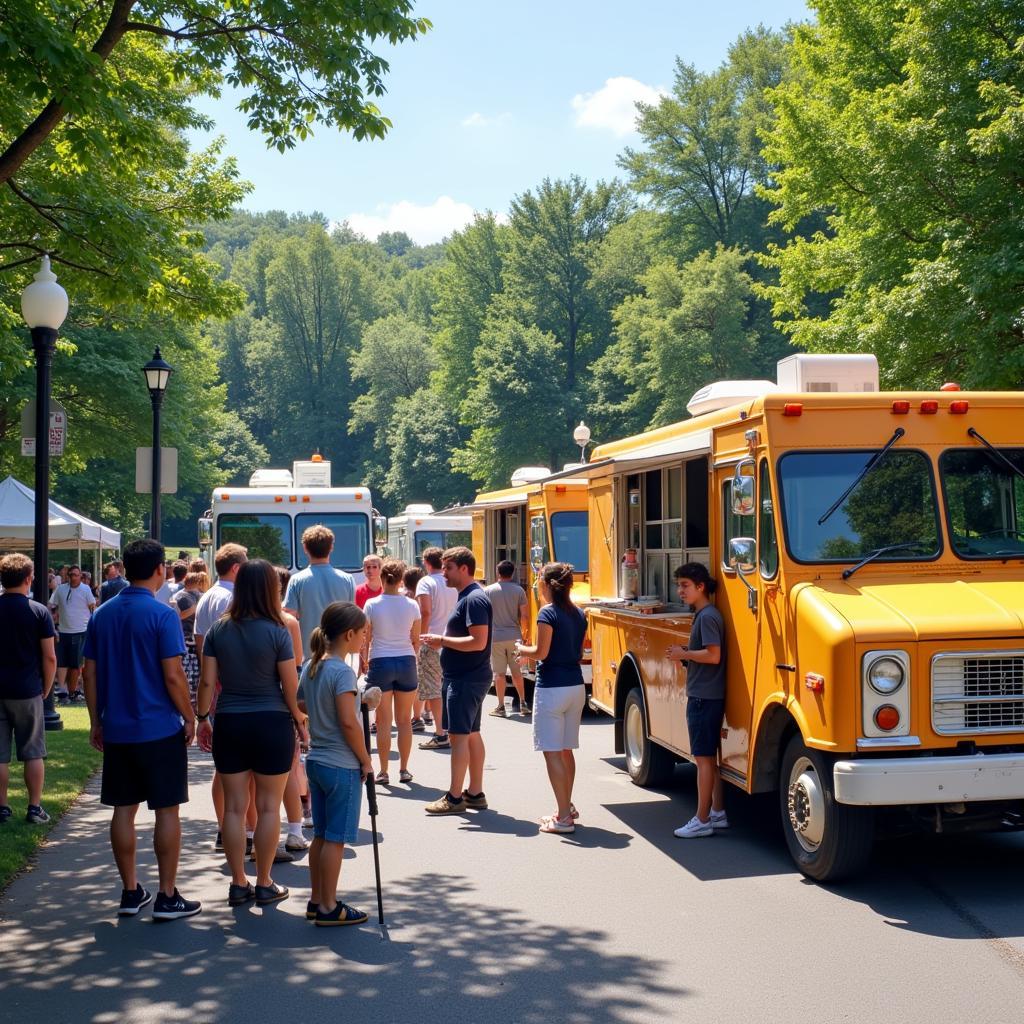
(903, 124)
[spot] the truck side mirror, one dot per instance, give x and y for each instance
(743, 558)
(743, 490)
(206, 532)
(380, 531)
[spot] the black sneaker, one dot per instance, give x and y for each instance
(218, 844)
(36, 815)
(168, 908)
(248, 846)
(133, 902)
(475, 801)
(5, 813)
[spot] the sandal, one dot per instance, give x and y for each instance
(559, 826)
(382, 779)
(266, 894)
(573, 813)
(405, 776)
(238, 895)
(342, 914)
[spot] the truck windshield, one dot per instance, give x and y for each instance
(351, 537)
(984, 502)
(570, 537)
(893, 506)
(442, 539)
(262, 535)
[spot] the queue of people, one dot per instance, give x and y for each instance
(261, 665)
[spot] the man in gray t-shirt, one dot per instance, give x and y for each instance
(511, 622)
(312, 589)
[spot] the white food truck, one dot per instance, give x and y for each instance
(419, 527)
(269, 516)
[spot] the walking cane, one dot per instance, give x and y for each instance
(371, 802)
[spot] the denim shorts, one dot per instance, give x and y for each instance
(335, 795)
(704, 718)
(393, 674)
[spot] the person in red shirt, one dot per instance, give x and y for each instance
(372, 586)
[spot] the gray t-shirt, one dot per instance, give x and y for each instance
(706, 680)
(247, 654)
(326, 741)
(311, 591)
(506, 599)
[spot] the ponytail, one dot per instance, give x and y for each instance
(558, 577)
(339, 618)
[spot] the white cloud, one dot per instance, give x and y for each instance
(613, 106)
(478, 120)
(423, 224)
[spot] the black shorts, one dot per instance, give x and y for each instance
(704, 717)
(253, 741)
(69, 649)
(463, 704)
(155, 771)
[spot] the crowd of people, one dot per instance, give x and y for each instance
(267, 671)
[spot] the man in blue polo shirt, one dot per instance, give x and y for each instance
(138, 697)
(466, 677)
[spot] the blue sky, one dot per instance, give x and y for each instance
(495, 98)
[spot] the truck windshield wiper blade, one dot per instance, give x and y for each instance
(872, 462)
(872, 555)
(996, 453)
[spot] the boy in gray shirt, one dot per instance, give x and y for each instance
(511, 623)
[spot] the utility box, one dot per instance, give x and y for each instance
(311, 473)
(822, 373)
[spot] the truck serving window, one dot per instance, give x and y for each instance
(984, 502)
(262, 535)
(442, 539)
(571, 536)
(894, 504)
(351, 537)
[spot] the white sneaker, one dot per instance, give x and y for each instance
(719, 821)
(295, 842)
(695, 828)
(307, 821)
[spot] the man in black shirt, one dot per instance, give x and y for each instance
(26, 675)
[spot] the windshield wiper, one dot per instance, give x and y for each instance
(872, 462)
(971, 432)
(872, 555)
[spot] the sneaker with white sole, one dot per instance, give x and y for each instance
(132, 901)
(694, 829)
(295, 842)
(719, 822)
(170, 908)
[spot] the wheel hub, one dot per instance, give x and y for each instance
(806, 805)
(634, 736)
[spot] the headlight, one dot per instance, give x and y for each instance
(886, 675)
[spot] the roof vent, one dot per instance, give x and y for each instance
(419, 510)
(271, 478)
(529, 474)
(724, 393)
(823, 373)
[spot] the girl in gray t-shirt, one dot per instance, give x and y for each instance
(338, 760)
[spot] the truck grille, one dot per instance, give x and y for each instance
(978, 692)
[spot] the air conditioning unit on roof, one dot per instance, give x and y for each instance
(724, 393)
(824, 373)
(419, 510)
(270, 478)
(528, 474)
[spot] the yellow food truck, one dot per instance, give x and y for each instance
(540, 518)
(868, 548)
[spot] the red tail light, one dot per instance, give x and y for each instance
(901, 407)
(959, 407)
(929, 407)
(887, 718)
(793, 409)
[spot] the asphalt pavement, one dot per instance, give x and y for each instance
(489, 921)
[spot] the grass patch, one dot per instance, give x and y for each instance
(69, 764)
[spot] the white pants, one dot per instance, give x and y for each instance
(557, 711)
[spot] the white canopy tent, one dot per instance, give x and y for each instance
(68, 530)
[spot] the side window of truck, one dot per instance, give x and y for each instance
(767, 540)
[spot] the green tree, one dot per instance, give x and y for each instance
(903, 124)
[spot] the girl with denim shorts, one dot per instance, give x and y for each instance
(338, 760)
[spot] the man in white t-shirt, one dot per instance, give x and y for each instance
(72, 605)
(437, 602)
(511, 624)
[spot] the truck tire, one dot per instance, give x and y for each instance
(828, 841)
(648, 763)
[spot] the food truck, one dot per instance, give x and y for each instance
(419, 527)
(868, 549)
(269, 516)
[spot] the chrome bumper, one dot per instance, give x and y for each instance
(898, 781)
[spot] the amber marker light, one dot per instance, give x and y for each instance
(950, 386)
(887, 717)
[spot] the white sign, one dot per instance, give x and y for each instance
(58, 433)
(144, 470)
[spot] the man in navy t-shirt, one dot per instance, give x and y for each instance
(27, 669)
(138, 697)
(466, 677)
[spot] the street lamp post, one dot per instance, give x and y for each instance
(581, 435)
(157, 374)
(44, 305)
